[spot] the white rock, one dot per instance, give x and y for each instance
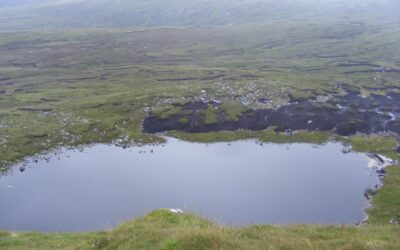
(176, 211)
(375, 161)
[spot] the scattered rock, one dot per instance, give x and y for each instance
(369, 193)
(395, 220)
(347, 149)
(376, 156)
(264, 100)
(381, 172)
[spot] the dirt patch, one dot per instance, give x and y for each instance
(249, 76)
(6, 83)
(36, 109)
(49, 100)
(381, 70)
(210, 77)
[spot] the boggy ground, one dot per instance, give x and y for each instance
(73, 87)
(343, 114)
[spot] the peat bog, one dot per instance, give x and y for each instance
(344, 115)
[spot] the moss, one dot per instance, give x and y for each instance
(184, 120)
(233, 110)
(210, 115)
(164, 113)
(268, 135)
(298, 95)
(375, 143)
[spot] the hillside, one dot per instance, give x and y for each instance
(44, 14)
(83, 72)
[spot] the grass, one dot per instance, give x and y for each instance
(164, 113)
(49, 241)
(164, 230)
(386, 201)
(268, 135)
(233, 110)
(210, 115)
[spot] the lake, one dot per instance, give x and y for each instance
(238, 183)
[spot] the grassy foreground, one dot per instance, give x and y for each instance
(165, 230)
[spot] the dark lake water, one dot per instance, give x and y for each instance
(235, 184)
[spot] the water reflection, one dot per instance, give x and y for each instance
(239, 183)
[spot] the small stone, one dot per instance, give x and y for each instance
(381, 171)
(346, 150)
(395, 220)
(176, 211)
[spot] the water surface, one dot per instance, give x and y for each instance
(240, 183)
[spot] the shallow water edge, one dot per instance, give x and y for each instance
(235, 183)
